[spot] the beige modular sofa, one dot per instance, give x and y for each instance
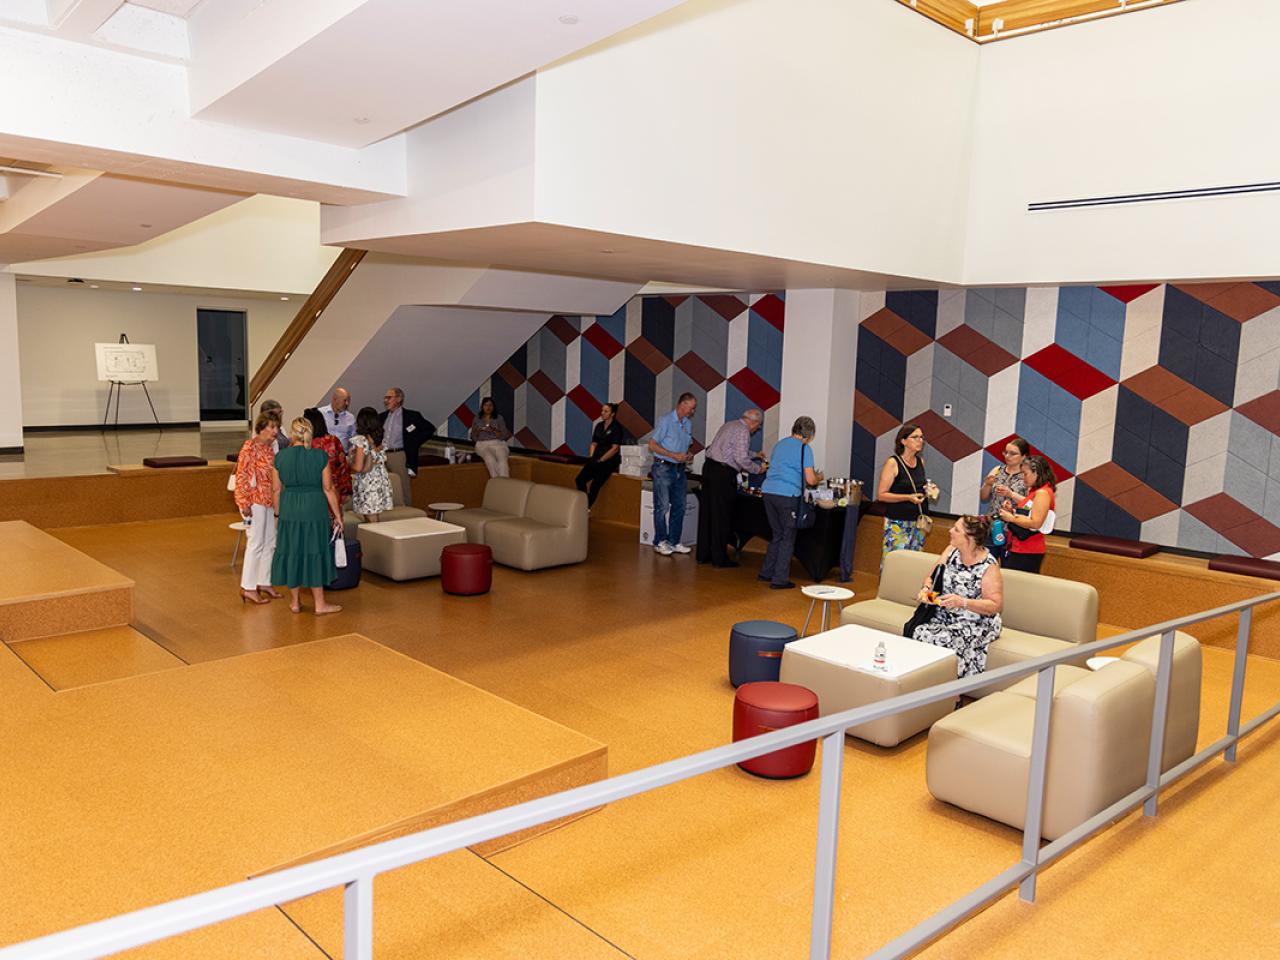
(528, 525)
(399, 511)
(979, 757)
(1041, 614)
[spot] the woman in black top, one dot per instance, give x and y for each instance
(903, 491)
(603, 456)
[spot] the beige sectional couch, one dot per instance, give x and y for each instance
(979, 757)
(1041, 614)
(528, 525)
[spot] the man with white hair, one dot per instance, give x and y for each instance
(338, 420)
(728, 454)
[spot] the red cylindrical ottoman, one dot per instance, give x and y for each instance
(761, 707)
(466, 568)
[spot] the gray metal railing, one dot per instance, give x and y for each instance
(355, 871)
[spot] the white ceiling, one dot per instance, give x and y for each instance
(553, 248)
(391, 64)
(177, 8)
(109, 211)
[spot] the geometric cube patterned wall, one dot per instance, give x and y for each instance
(1158, 405)
(725, 349)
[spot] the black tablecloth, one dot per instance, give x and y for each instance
(817, 548)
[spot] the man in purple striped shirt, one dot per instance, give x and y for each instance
(728, 454)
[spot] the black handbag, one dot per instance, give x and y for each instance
(806, 512)
(924, 611)
(1020, 532)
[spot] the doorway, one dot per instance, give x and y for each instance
(221, 339)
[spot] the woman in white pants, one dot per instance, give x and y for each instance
(490, 433)
(254, 498)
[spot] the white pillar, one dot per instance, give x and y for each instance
(819, 353)
(10, 369)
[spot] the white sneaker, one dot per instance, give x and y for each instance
(664, 548)
(680, 548)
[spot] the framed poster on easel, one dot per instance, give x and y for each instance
(124, 364)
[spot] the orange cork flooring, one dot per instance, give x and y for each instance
(628, 649)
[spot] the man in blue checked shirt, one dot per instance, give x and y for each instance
(670, 442)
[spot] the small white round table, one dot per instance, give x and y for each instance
(827, 595)
(444, 507)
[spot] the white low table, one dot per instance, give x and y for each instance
(407, 549)
(837, 666)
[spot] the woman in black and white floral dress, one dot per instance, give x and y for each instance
(966, 617)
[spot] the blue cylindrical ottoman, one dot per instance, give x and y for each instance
(755, 650)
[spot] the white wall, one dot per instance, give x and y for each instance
(471, 167)
(828, 131)
(819, 356)
(262, 243)
(57, 330)
(1177, 97)
(10, 382)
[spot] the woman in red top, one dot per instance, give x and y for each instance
(254, 498)
(1029, 514)
(322, 439)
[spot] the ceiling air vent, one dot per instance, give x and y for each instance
(1195, 193)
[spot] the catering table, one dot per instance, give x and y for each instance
(817, 548)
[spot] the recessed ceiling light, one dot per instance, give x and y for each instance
(284, 298)
(136, 289)
(362, 120)
(569, 19)
(93, 286)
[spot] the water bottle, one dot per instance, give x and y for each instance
(879, 661)
(450, 454)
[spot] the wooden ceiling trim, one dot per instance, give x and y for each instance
(1008, 19)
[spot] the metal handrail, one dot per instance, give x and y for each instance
(356, 870)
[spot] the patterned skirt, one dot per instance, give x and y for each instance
(900, 535)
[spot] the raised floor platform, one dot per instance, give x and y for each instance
(130, 792)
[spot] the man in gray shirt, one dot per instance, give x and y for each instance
(403, 432)
(728, 454)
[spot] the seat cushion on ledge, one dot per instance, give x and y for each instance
(1116, 545)
(1248, 566)
(161, 462)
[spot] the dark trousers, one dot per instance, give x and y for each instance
(715, 513)
(1030, 562)
(781, 513)
(593, 476)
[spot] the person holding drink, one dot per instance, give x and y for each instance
(905, 490)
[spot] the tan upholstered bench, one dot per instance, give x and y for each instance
(837, 666)
(407, 549)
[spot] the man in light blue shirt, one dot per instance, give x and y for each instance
(672, 436)
(340, 421)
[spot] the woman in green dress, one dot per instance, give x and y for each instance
(304, 543)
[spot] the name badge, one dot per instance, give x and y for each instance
(409, 428)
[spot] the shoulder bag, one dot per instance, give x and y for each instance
(924, 522)
(806, 512)
(924, 611)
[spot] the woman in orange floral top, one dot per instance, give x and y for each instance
(322, 439)
(254, 498)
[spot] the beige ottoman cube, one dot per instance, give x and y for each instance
(407, 549)
(837, 666)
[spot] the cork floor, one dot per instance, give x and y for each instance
(630, 649)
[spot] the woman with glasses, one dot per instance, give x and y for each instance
(1005, 482)
(902, 489)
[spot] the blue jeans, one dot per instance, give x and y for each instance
(670, 487)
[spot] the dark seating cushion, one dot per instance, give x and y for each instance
(175, 462)
(1116, 545)
(1248, 566)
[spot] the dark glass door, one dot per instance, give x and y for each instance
(220, 343)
